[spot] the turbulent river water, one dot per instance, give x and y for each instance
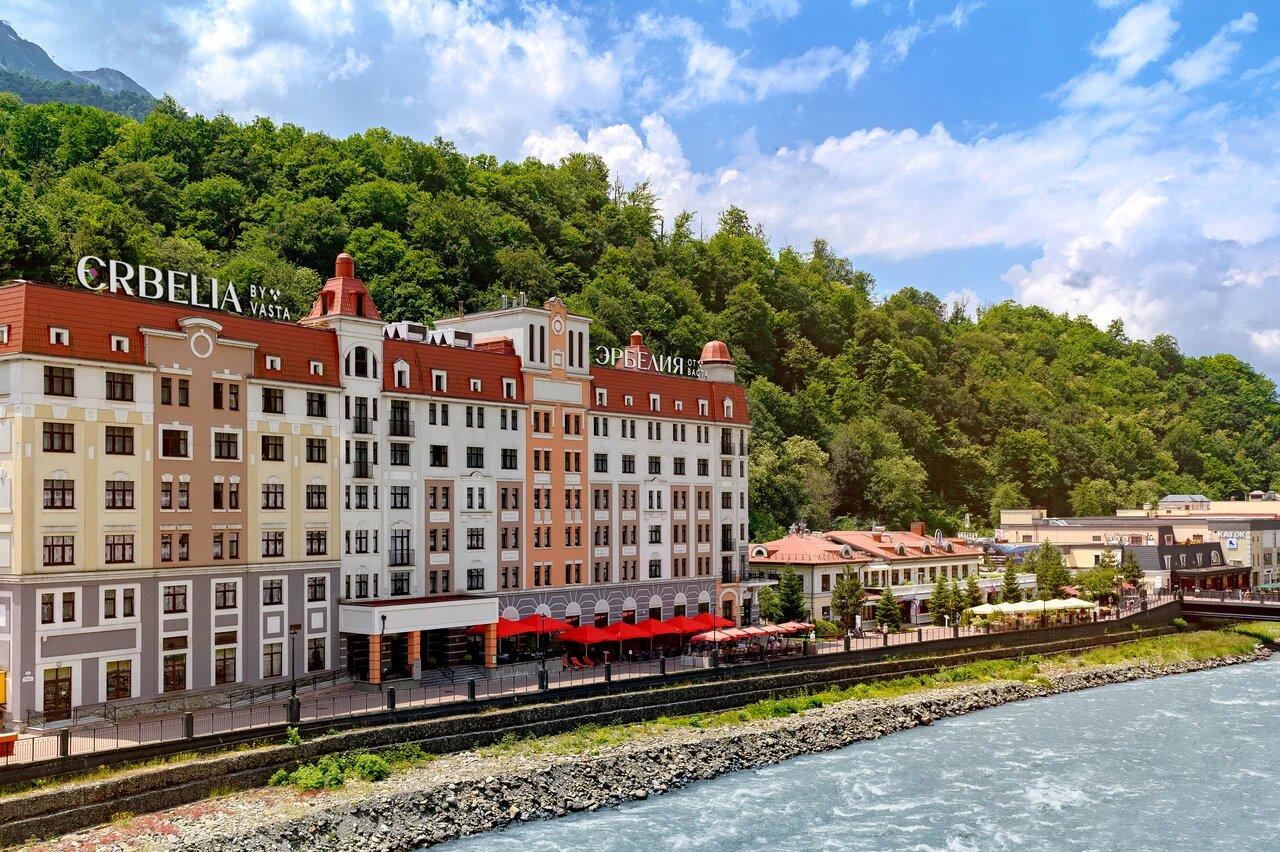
(1184, 762)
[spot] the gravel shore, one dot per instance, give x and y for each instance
(470, 792)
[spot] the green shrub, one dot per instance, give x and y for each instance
(371, 767)
(292, 737)
(825, 629)
(1180, 623)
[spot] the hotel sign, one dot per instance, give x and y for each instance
(632, 359)
(181, 288)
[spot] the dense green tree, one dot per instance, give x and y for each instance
(864, 408)
(888, 613)
(846, 600)
(791, 600)
(1130, 571)
(1010, 590)
(942, 602)
(972, 593)
(1051, 574)
(770, 607)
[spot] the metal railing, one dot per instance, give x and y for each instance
(274, 690)
(397, 428)
(401, 557)
(244, 714)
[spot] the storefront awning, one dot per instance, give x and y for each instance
(372, 618)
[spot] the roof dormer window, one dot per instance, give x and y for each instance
(728, 408)
(703, 408)
(508, 388)
(602, 397)
(628, 400)
(438, 381)
(59, 336)
(273, 362)
(475, 385)
(679, 405)
(119, 343)
(317, 368)
(402, 375)
(655, 402)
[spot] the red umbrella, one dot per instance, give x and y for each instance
(545, 624)
(507, 627)
(620, 631)
(655, 627)
(710, 621)
(586, 634)
(684, 624)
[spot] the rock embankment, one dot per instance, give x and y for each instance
(470, 793)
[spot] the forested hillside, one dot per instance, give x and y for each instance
(866, 408)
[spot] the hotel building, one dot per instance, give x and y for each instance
(192, 501)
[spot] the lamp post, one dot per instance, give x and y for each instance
(293, 660)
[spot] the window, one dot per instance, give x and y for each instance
(119, 548)
(475, 538)
(399, 497)
(226, 445)
(402, 376)
(399, 582)
(118, 603)
(119, 494)
(273, 543)
(175, 443)
(225, 595)
(175, 664)
(439, 455)
(317, 542)
(224, 662)
(655, 465)
(272, 362)
(655, 534)
(678, 466)
(184, 392)
(628, 464)
(272, 495)
(272, 592)
(316, 589)
(59, 438)
(438, 383)
(475, 579)
(119, 680)
(59, 550)
(272, 448)
(317, 497)
(317, 450)
(655, 568)
(174, 599)
(399, 454)
(272, 659)
(59, 494)
(315, 654)
(601, 463)
(317, 368)
(508, 388)
(475, 457)
(59, 381)
(509, 460)
(166, 391)
(119, 441)
(120, 387)
(272, 401)
(317, 404)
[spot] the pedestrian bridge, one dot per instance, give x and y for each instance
(1230, 605)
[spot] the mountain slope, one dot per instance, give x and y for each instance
(30, 73)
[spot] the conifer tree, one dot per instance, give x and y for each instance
(888, 612)
(846, 600)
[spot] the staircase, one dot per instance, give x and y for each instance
(448, 676)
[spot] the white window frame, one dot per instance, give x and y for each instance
(317, 368)
(119, 619)
(58, 624)
(602, 396)
(272, 362)
(59, 336)
(508, 388)
(239, 433)
(191, 444)
(119, 343)
(476, 385)
(439, 381)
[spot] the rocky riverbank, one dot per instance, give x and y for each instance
(473, 792)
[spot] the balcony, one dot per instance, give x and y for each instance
(361, 425)
(726, 446)
(401, 557)
(727, 544)
(743, 575)
(400, 428)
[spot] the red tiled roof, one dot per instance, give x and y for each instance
(887, 547)
(30, 309)
(808, 549)
(460, 365)
(618, 384)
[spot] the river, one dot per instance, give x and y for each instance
(1190, 761)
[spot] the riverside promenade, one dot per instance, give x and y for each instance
(40, 753)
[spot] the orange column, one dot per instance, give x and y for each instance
(491, 646)
(375, 659)
(413, 647)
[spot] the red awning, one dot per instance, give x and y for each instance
(507, 627)
(586, 634)
(795, 626)
(545, 624)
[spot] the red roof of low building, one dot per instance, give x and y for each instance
(804, 549)
(460, 366)
(899, 544)
(619, 384)
(91, 318)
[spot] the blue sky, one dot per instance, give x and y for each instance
(1111, 158)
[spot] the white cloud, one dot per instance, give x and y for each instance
(743, 13)
(899, 41)
(1139, 38)
(1212, 61)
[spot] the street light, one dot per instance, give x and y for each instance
(293, 660)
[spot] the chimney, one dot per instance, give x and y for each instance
(917, 528)
(344, 266)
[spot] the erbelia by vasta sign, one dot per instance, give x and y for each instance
(632, 359)
(181, 288)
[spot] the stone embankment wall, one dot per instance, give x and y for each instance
(55, 811)
(408, 820)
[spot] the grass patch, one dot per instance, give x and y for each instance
(1263, 631)
(333, 770)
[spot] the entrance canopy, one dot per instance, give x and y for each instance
(373, 618)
